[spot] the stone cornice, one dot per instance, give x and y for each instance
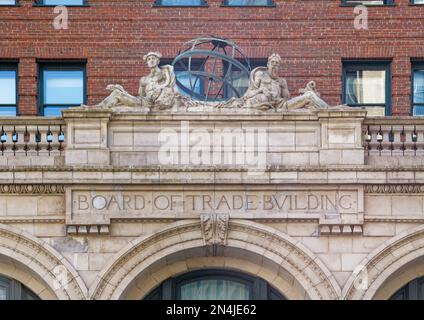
(338, 168)
(403, 219)
(214, 175)
(53, 219)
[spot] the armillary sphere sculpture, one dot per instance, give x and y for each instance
(212, 69)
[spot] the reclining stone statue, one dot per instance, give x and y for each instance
(157, 89)
(269, 91)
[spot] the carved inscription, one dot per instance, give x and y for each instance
(181, 204)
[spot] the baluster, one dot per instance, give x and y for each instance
(14, 140)
(414, 138)
(391, 139)
(61, 138)
(380, 140)
(26, 140)
(368, 138)
(37, 140)
(49, 137)
(3, 139)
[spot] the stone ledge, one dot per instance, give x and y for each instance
(271, 168)
(393, 178)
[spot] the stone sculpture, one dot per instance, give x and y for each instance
(157, 89)
(266, 89)
(266, 92)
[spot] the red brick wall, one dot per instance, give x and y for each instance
(312, 36)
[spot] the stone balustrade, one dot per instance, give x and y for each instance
(393, 141)
(100, 137)
(32, 141)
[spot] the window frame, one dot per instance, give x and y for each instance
(347, 3)
(253, 63)
(16, 290)
(259, 289)
(16, 4)
(59, 66)
(413, 3)
(40, 3)
(410, 291)
(158, 3)
(270, 3)
(415, 65)
(12, 66)
(195, 61)
(349, 65)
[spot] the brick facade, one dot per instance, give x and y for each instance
(312, 37)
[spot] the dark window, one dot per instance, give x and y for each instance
(214, 285)
(368, 2)
(8, 89)
(418, 89)
(62, 85)
(367, 85)
(190, 83)
(7, 2)
(239, 79)
(11, 289)
(180, 3)
(414, 290)
(247, 3)
(61, 2)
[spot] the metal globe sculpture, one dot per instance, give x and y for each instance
(211, 69)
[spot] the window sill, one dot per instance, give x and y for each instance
(9, 5)
(249, 6)
(367, 5)
(416, 4)
(180, 6)
(61, 5)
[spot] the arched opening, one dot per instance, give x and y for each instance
(214, 284)
(390, 270)
(251, 248)
(11, 289)
(413, 290)
(28, 262)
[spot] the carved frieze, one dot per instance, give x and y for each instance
(32, 189)
(394, 188)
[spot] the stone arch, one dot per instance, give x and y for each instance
(383, 263)
(22, 254)
(246, 236)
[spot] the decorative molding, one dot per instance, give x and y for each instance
(32, 189)
(87, 229)
(340, 229)
(214, 228)
(31, 220)
(406, 219)
(394, 188)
